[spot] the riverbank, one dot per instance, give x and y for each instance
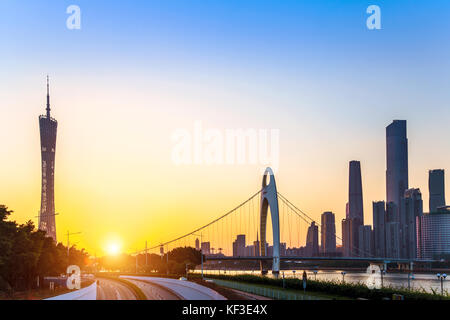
(333, 288)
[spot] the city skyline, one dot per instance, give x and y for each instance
(117, 106)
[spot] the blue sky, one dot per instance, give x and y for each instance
(145, 68)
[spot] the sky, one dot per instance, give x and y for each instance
(138, 71)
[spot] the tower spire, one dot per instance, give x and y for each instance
(48, 99)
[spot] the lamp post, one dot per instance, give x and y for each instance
(343, 276)
(442, 277)
(383, 272)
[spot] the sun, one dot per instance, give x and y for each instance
(113, 248)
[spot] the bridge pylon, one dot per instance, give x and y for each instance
(269, 200)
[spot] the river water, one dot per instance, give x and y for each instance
(372, 278)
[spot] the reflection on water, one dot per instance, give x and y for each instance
(427, 282)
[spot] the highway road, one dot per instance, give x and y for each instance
(113, 290)
(173, 289)
(154, 292)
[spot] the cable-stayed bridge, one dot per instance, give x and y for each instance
(226, 237)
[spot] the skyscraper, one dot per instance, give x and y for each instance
(239, 246)
(355, 197)
(312, 240)
(436, 186)
(392, 231)
(197, 244)
(355, 203)
(48, 127)
(379, 229)
(365, 239)
(328, 233)
(392, 240)
(411, 207)
(397, 161)
(347, 238)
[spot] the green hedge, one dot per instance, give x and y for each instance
(351, 290)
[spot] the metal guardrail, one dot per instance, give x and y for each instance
(276, 294)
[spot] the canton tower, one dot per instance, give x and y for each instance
(47, 127)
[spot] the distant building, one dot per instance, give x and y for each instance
(239, 246)
(411, 207)
(347, 237)
(328, 233)
(206, 248)
(257, 246)
(436, 186)
(379, 229)
(392, 240)
(197, 244)
(355, 203)
(396, 161)
(312, 240)
(365, 238)
(434, 235)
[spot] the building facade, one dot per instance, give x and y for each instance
(48, 127)
(411, 207)
(312, 240)
(365, 239)
(379, 229)
(433, 235)
(436, 186)
(347, 237)
(355, 203)
(397, 161)
(328, 234)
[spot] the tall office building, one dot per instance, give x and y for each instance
(197, 244)
(328, 233)
(48, 127)
(347, 238)
(436, 186)
(355, 203)
(365, 239)
(379, 229)
(411, 207)
(312, 240)
(397, 161)
(392, 240)
(434, 231)
(355, 197)
(239, 246)
(206, 248)
(392, 230)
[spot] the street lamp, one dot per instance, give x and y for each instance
(343, 276)
(442, 278)
(383, 272)
(293, 271)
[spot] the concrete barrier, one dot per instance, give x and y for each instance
(88, 293)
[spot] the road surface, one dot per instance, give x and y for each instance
(154, 292)
(113, 290)
(177, 289)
